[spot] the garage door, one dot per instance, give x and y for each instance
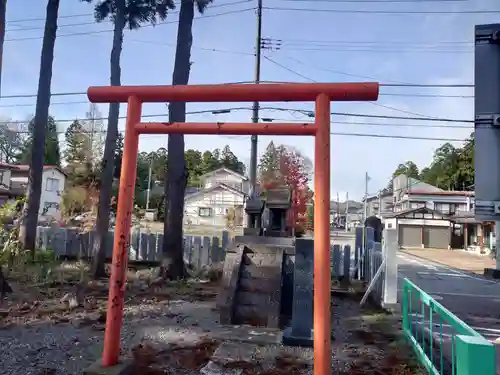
(437, 237)
(410, 236)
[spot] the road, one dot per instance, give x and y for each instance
(472, 298)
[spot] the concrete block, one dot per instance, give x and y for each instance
(300, 332)
(304, 340)
(123, 367)
(492, 273)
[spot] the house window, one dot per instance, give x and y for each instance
(49, 205)
(52, 184)
(204, 211)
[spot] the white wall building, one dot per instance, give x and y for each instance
(222, 190)
(14, 183)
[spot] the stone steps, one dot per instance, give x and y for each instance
(257, 299)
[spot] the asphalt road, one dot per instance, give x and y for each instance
(472, 298)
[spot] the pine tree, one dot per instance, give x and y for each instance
(52, 151)
(76, 144)
(118, 155)
(269, 165)
(209, 162)
(229, 160)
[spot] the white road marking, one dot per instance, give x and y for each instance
(455, 270)
(437, 298)
(445, 274)
(488, 333)
(493, 298)
(420, 263)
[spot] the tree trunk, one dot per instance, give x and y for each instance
(107, 174)
(3, 11)
(176, 177)
(29, 224)
(4, 286)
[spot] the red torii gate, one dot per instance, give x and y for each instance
(321, 93)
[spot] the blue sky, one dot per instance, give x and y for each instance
(341, 47)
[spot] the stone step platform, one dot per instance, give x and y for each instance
(261, 353)
(251, 285)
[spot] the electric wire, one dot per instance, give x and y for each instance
(22, 20)
(111, 30)
(373, 103)
(366, 11)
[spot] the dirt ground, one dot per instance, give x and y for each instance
(174, 329)
(455, 258)
(194, 230)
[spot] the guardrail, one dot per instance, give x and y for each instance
(441, 341)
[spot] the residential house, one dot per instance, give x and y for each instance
(380, 205)
(347, 213)
(221, 191)
(14, 184)
(427, 216)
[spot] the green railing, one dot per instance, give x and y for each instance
(443, 343)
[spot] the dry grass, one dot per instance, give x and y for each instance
(69, 294)
(382, 331)
(149, 361)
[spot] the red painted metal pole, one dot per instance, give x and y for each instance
(226, 128)
(322, 273)
(264, 92)
(118, 278)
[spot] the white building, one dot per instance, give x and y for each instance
(221, 191)
(14, 184)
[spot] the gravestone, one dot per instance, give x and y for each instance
(300, 333)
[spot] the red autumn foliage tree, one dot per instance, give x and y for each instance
(284, 165)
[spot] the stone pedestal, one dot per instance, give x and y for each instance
(300, 333)
(492, 273)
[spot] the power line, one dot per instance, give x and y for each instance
(303, 112)
(279, 45)
(383, 11)
(350, 114)
(399, 137)
(369, 135)
(147, 25)
(372, 50)
(58, 26)
(376, 1)
(394, 42)
(22, 20)
(392, 125)
(373, 103)
(19, 96)
(395, 84)
(43, 18)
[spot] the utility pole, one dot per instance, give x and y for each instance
(255, 110)
(148, 192)
(380, 203)
(3, 10)
(347, 211)
(365, 203)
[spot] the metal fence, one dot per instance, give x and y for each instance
(442, 342)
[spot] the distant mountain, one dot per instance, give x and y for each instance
(354, 206)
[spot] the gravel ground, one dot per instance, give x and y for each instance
(65, 345)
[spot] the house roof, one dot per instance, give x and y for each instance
(452, 193)
(223, 169)
(26, 167)
(423, 210)
(465, 218)
(215, 187)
